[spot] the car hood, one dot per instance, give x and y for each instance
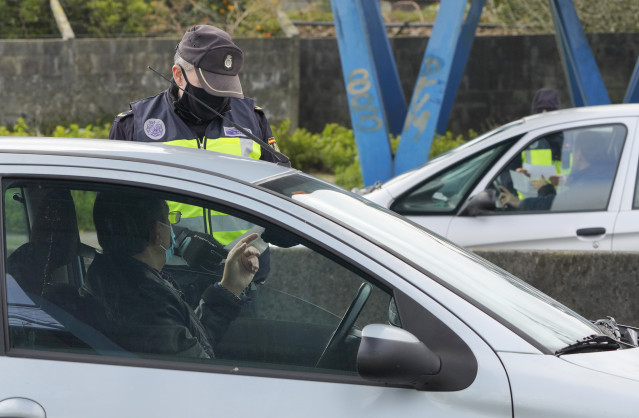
(622, 363)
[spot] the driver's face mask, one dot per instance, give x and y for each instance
(189, 104)
(171, 250)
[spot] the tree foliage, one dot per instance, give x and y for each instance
(119, 18)
(257, 18)
(535, 15)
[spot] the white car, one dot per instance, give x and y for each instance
(484, 194)
(362, 314)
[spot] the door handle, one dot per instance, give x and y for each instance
(21, 408)
(591, 232)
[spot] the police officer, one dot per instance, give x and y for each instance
(206, 66)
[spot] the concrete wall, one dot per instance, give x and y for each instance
(594, 284)
(50, 82)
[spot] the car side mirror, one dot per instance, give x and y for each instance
(481, 203)
(391, 355)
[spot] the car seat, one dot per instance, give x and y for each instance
(50, 268)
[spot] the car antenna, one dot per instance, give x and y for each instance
(282, 159)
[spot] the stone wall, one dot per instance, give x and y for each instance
(593, 284)
(50, 82)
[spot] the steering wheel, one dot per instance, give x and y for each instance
(347, 321)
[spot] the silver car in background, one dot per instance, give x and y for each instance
(460, 195)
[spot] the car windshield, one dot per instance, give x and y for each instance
(499, 293)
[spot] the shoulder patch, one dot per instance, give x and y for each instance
(124, 114)
(273, 143)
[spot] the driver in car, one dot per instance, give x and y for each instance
(144, 311)
(587, 184)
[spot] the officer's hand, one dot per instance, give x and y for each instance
(539, 183)
(241, 265)
(523, 171)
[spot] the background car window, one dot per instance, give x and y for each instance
(64, 295)
(570, 170)
(16, 225)
(635, 205)
(444, 193)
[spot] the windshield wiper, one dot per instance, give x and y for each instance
(367, 190)
(595, 342)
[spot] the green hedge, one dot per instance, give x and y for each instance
(72, 131)
(124, 18)
(332, 151)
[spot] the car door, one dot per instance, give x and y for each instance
(57, 358)
(580, 210)
(626, 233)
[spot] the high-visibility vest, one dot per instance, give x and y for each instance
(537, 156)
(541, 156)
(155, 121)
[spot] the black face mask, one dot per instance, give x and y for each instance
(194, 111)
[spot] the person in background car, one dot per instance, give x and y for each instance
(587, 185)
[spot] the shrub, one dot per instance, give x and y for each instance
(89, 131)
(19, 129)
(334, 150)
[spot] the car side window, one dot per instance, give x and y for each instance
(571, 170)
(635, 204)
(444, 193)
(86, 280)
(16, 224)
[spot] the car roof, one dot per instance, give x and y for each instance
(244, 169)
(581, 113)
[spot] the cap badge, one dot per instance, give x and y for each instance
(228, 62)
(154, 128)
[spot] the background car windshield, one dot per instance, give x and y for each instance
(455, 150)
(444, 192)
(502, 295)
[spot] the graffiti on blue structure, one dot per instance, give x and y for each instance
(419, 115)
(367, 116)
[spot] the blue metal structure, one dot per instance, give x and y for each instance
(430, 88)
(363, 90)
(584, 80)
(375, 94)
(632, 94)
(392, 92)
(464, 45)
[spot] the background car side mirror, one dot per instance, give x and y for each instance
(481, 203)
(392, 355)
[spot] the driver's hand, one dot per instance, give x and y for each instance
(539, 183)
(507, 198)
(241, 265)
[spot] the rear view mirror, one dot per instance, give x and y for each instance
(392, 355)
(483, 202)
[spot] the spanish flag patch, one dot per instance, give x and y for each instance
(273, 143)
